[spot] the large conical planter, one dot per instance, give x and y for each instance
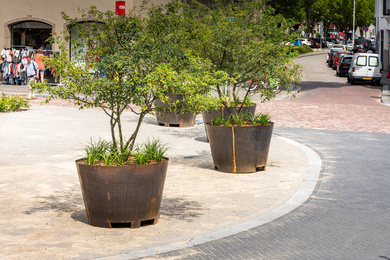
(240, 149)
(173, 118)
(122, 195)
(208, 116)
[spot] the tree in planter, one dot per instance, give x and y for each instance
(244, 40)
(119, 63)
(184, 93)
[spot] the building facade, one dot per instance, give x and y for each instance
(382, 15)
(30, 23)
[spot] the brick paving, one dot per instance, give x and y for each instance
(342, 108)
(330, 114)
(341, 117)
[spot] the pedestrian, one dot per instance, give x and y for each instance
(32, 71)
(39, 58)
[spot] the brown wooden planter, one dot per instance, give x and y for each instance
(240, 149)
(208, 116)
(165, 117)
(122, 195)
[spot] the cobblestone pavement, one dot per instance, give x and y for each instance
(331, 103)
(348, 214)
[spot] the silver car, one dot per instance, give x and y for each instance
(349, 45)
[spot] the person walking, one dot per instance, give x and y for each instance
(39, 58)
(32, 71)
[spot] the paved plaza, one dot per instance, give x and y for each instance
(325, 193)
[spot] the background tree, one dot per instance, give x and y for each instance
(365, 14)
(338, 12)
(244, 41)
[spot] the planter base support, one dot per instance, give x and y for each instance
(134, 224)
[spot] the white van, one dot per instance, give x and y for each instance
(365, 67)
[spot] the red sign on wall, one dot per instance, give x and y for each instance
(120, 7)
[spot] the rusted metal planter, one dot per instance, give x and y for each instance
(208, 116)
(172, 118)
(240, 149)
(117, 195)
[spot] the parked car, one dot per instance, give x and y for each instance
(334, 47)
(349, 45)
(297, 42)
(332, 55)
(305, 41)
(363, 44)
(339, 46)
(373, 44)
(344, 65)
(329, 42)
(316, 43)
(338, 57)
(365, 67)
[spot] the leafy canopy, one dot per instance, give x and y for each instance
(244, 40)
(126, 62)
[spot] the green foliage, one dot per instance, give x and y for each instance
(304, 49)
(174, 48)
(12, 103)
(120, 61)
(261, 119)
(293, 52)
(245, 41)
(150, 151)
(210, 103)
(96, 151)
(248, 102)
(104, 153)
(218, 120)
(242, 119)
(238, 101)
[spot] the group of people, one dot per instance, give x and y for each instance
(35, 70)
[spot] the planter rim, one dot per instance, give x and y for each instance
(80, 160)
(271, 123)
(222, 106)
(254, 104)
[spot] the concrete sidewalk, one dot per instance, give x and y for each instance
(43, 216)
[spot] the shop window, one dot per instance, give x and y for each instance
(31, 33)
